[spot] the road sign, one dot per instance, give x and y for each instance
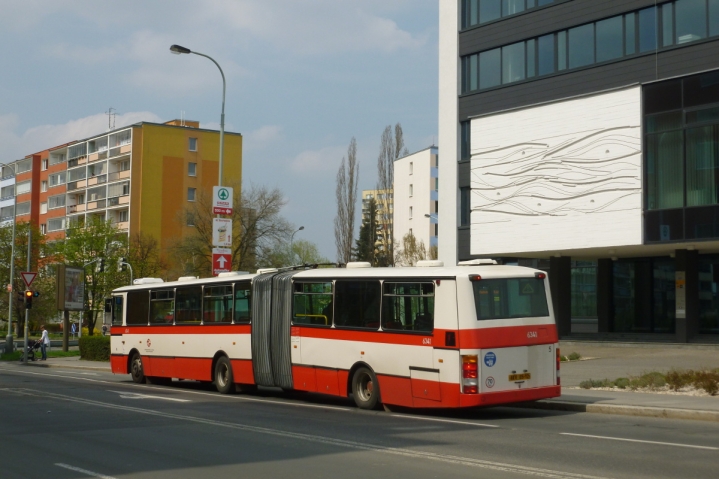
(221, 200)
(221, 260)
(221, 232)
(28, 277)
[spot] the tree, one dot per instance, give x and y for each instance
(365, 246)
(391, 148)
(346, 194)
(257, 227)
(145, 257)
(302, 252)
(94, 241)
(411, 251)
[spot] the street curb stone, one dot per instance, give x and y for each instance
(624, 410)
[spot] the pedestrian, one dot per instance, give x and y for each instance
(44, 342)
(104, 329)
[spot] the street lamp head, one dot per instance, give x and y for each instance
(177, 49)
(301, 228)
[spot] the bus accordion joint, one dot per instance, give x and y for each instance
(470, 373)
(475, 277)
(540, 275)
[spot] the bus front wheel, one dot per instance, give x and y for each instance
(365, 389)
(223, 376)
(136, 370)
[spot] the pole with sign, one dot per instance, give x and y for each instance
(221, 200)
(221, 260)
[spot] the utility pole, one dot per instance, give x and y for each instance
(9, 341)
(27, 311)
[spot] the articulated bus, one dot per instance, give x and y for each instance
(429, 336)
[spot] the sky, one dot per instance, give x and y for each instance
(303, 78)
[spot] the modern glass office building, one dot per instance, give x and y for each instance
(582, 137)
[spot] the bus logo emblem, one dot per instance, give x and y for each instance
(489, 359)
(489, 382)
(149, 343)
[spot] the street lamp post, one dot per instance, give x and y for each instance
(177, 50)
(292, 252)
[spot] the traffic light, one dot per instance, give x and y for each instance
(121, 265)
(100, 268)
(28, 299)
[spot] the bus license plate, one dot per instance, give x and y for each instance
(520, 377)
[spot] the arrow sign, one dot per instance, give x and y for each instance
(221, 260)
(28, 277)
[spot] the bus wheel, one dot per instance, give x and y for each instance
(365, 389)
(136, 370)
(223, 375)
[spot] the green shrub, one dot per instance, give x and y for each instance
(95, 348)
(649, 381)
(574, 356)
(563, 358)
(677, 379)
(706, 380)
(621, 383)
(595, 383)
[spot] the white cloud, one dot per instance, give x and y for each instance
(42, 137)
(323, 160)
(263, 136)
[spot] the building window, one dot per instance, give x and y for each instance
(56, 201)
(610, 39)
(411, 167)
(122, 216)
(56, 224)
(43, 186)
(22, 208)
(464, 206)
(465, 139)
(411, 190)
(43, 208)
(193, 144)
(7, 192)
(57, 179)
(192, 169)
(410, 212)
(24, 165)
(43, 228)
(191, 194)
(45, 164)
(477, 12)
(23, 187)
(190, 219)
(124, 165)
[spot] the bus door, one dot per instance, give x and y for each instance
(445, 340)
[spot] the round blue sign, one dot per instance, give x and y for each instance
(489, 359)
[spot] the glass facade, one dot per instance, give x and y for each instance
(477, 12)
(681, 137)
(643, 296)
(610, 39)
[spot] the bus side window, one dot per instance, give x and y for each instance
(117, 311)
(138, 308)
(217, 306)
(313, 304)
(408, 307)
(188, 305)
(243, 304)
(357, 304)
(162, 307)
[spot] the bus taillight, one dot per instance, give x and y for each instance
(559, 360)
(469, 374)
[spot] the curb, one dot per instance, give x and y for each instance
(624, 410)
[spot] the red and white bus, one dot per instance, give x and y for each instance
(427, 336)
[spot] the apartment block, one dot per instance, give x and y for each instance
(139, 177)
(384, 199)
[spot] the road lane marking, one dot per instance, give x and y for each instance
(127, 395)
(409, 416)
(639, 440)
(445, 458)
(83, 471)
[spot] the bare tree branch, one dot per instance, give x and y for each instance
(346, 194)
(391, 148)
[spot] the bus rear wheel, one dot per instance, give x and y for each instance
(223, 376)
(136, 370)
(365, 389)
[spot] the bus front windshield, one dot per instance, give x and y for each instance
(510, 298)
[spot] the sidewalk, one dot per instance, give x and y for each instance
(609, 360)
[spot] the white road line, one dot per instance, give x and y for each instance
(83, 471)
(408, 416)
(445, 458)
(127, 395)
(638, 440)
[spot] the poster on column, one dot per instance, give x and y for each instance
(681, 294)
(221, 232)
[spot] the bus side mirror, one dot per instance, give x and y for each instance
(108, 305)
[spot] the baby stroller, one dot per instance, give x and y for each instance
(32, 346)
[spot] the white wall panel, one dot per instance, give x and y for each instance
(558, 177)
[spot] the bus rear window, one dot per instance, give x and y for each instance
(510, 298)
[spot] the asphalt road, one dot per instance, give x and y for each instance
(71, 424)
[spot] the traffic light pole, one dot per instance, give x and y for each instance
(27, 311)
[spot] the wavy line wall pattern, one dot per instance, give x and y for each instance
(558, 177)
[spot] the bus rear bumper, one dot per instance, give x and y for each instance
(508, 397)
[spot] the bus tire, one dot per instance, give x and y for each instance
(223, 376)
(365, 389)
(136, 369)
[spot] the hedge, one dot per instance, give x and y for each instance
(94, 348)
